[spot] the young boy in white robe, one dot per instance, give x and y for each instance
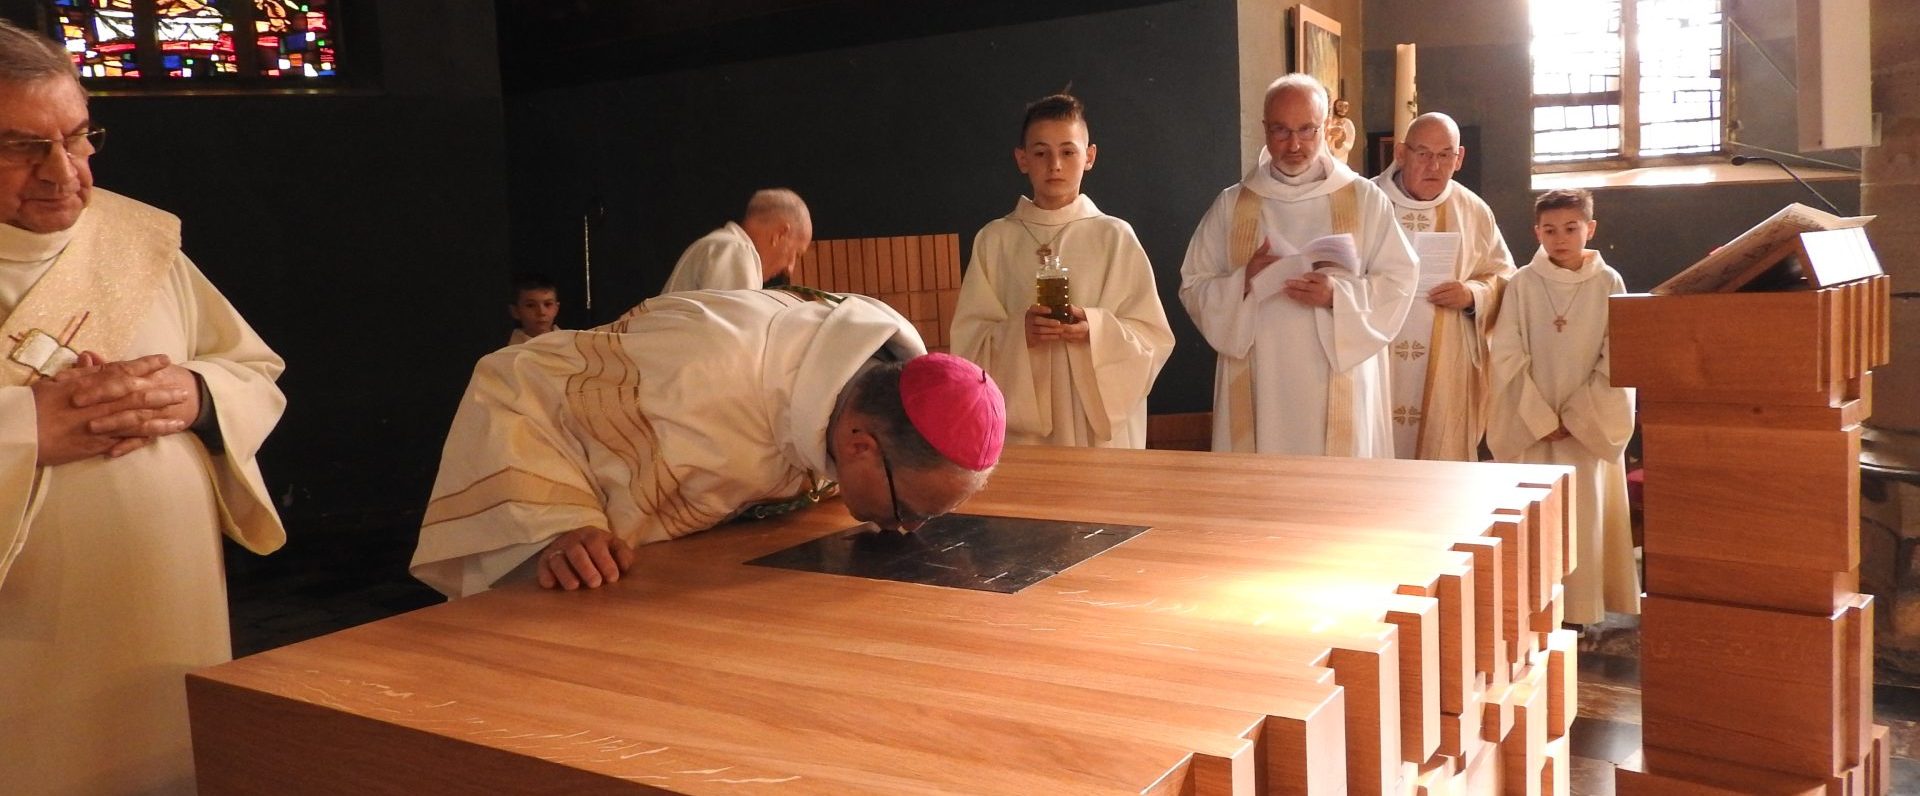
(1554, 404)
(1082, 381)
(535, 306)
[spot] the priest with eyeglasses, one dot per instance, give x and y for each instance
(1299, 277)
(1440, 358)
(694, 409)
(132, 400)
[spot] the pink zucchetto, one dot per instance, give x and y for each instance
(956, 407)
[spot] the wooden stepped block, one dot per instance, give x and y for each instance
(1557, 776)
(1776, 497)
(1418, 620)
(1563, 682)
(1482, 777)
(1880, 766)
(1548, 619)
(1523, 753)
(1780, 588)
(1453, 591)
(1489, 617)
(1768, 689)
(1799, 348)
(1460, 734)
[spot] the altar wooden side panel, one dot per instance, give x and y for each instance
(1757, 650)
(1290, 625)
(918, 275)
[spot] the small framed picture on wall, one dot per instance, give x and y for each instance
(1316, 47)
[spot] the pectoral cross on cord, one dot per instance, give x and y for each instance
(1560, 315)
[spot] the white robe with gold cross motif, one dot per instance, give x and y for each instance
(1440, 356)
(671, 420)
(1091, 393)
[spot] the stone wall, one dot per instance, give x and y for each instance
(1890, 486)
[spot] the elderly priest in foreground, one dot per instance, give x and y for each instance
(696, 408)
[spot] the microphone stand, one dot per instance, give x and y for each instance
(1742, 160)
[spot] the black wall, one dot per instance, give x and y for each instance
(906, 137)
(364, 235)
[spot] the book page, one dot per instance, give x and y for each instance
(1731, 265)
(1337, 248)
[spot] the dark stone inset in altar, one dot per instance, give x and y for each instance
(961, 551)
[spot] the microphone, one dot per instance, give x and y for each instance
(1742, 160)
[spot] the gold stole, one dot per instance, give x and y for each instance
(99, 287)
(1241, 242)
(1442, 326)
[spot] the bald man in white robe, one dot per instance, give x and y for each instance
(776, 230)
(1439, 359)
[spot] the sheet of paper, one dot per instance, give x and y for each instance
(1337, 248)
(1437, 251)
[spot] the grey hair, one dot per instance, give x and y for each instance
(876, 395)
(780, 203)
(28, 57)
(1303, 83)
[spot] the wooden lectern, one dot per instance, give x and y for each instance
(1757, 649)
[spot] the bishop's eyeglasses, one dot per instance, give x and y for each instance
(900, 521)
(34, 151)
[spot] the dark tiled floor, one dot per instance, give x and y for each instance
(354, 571)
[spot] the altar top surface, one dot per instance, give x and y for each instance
(1156, 666)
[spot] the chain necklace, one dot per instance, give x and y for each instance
(1045, 249)
(1560, 315)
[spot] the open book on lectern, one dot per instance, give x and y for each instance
(1797, 247)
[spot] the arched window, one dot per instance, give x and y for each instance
(200, 42)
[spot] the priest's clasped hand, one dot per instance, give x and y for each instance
(1313, 288)
(1044, 329)
(97, 408)
(583, 557)
(1451, 295)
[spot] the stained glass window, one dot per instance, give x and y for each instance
(294, 38)
(100, 35)
(237, 42)
(195, 38)
(1624, 80)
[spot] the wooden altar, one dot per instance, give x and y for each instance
(1288, 625)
